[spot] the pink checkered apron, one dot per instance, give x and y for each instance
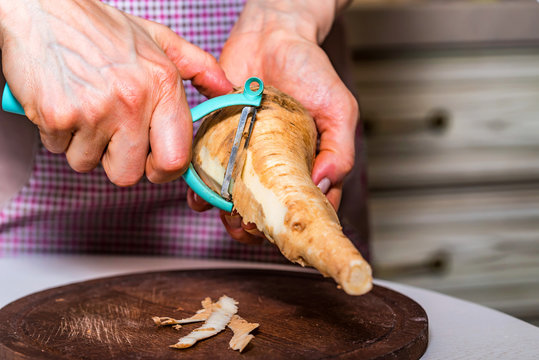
(59, 210)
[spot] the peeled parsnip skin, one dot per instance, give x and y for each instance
(272, 186)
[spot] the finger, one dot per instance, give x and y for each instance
(57, 141)
(192, 62)
(171, 133)
(333, 192)
(233, 226)
(56, 125)
(328, 173)
(124, 157)
(337, 152)
(252, 229)
(198, 66)
(196, 203)
(86, 150)
(334, 195)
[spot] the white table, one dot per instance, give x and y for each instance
(458, 329)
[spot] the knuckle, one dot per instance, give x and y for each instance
(59, 118)
(83, 164)
(124, 179)
(129, 162)
(176, 164)
(165, 30)
(54, 145)
(32, 113)
(132, 95)
(95, 115)
(210, 61)
(168, 76)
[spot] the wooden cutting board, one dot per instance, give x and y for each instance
(301, 316)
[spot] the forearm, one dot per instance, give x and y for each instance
(310, 19)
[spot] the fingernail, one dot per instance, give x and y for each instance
(249, 226)
(195, 197)
(233, 221)
(324, 185)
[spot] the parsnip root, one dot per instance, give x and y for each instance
(272, 187)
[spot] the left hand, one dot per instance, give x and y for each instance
(280, 46)
(234, 225)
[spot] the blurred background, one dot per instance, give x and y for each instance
(449, 97)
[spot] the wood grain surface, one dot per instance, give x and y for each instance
(301, 316)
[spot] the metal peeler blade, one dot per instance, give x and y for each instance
(225, 188)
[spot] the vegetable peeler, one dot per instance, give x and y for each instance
(250, 98)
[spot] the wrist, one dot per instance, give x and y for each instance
(310, 22)
(5, 8)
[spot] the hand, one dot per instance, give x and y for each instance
(238, 230)
(277, 42)
(106, 86)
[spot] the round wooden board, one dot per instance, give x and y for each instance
(301, 316)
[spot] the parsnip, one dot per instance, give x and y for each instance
(272, 187)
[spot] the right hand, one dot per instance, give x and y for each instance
(102, 85)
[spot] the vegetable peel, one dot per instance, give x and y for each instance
(241, 329)
(200, 315)
(217, 315)
(221, 313)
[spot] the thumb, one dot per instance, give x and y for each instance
(192, 62)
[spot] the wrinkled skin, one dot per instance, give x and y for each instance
(102, 85)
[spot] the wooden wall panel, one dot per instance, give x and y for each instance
(451, 118)
(452, 139)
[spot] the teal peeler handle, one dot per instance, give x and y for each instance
(9, 103)
(249, 97)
